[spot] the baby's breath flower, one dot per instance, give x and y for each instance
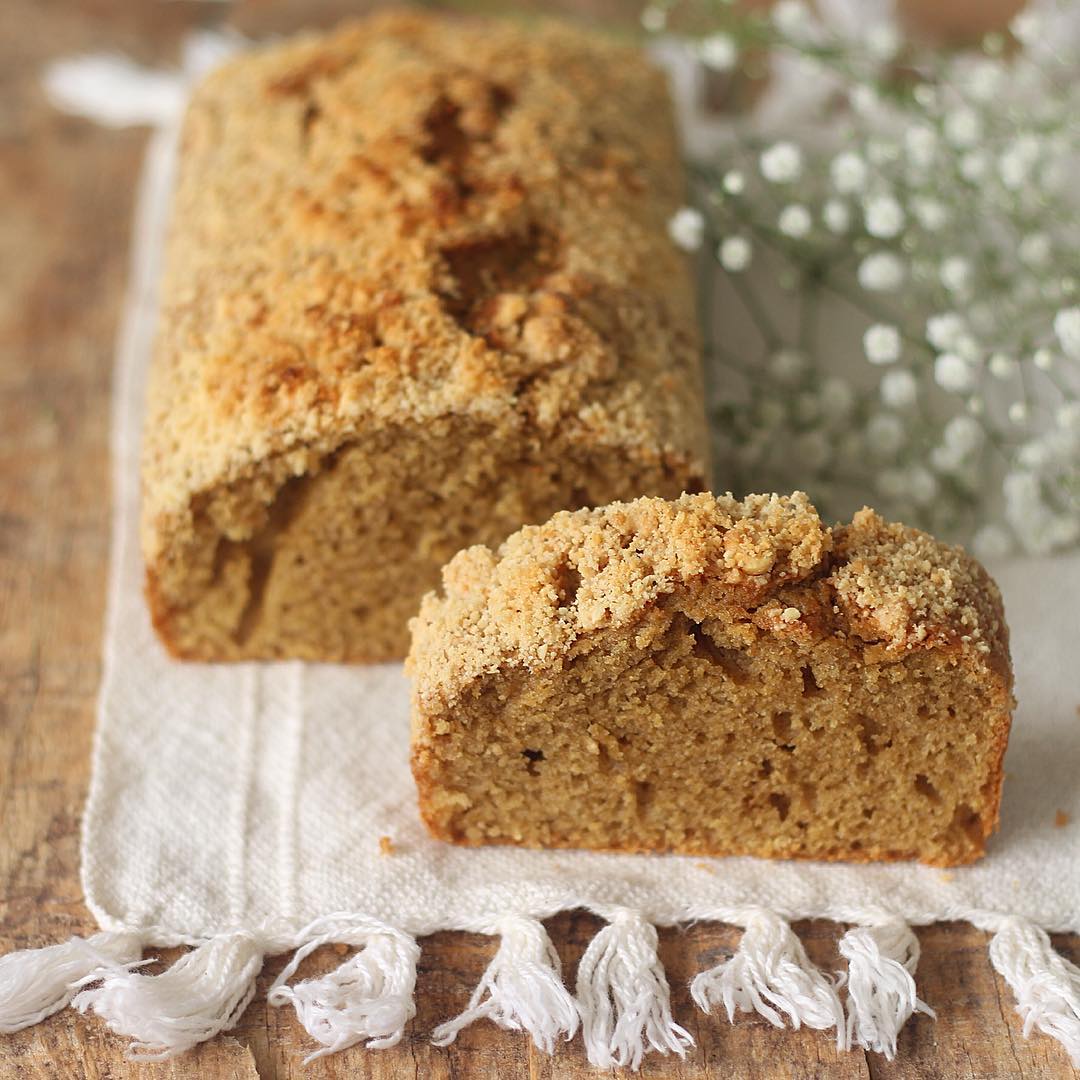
(893, 483)
(1063, 531)
(1067, 328)
(956, 204)
(881, 271)
(974, 166)
(883, 41)
(884, 216)
(1026, 26)
(946, 459)
(812, 448)
(734, 182)
(922, 485)
(967, 348)
(719, 52)
(791, 18)
(963, 128)
(864, 100)
(885, 434)
(654, 19)
(992, 542)
(795, 221)
(848, 172)
(687, 228)
(929, 213)
(836, 399)
(920, 142)
(1035, 454)
(1021, 489)
(881, 343)
(963, 434)
(1034, 249)
(944, 330)
(1068, 416)
(882, 151)
(984, 80)
(898, 389)
(953, 373)
(1016, 161)
(735, 254)
(786, 365)
(836, 216)
(1001, 366)
(926, 96)
(781, 163)
(956, 273)
(771, 413)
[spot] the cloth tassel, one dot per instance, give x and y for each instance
(770, 974)
(35, 983)
(113, 91)
(880, 983)
(369, 996)
(202, 993)
(624, 997)
(522, 989)
(1046, 985)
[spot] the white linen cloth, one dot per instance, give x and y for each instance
(241, 809)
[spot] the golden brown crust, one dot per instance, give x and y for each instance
(765, 576)
(412, 218)
(438, 829)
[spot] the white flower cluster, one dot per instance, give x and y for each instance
(941, 207)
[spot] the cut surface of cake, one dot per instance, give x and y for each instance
(714, 677)
(419, 291)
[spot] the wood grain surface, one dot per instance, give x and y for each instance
(66, 190)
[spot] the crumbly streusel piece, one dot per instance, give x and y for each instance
(714, 677)
(419, 291)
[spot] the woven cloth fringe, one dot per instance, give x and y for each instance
(622, 1004)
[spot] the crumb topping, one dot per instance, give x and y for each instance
(902, 588)
(412, 217)
(885, 589)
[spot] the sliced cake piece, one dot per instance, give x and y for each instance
(718, 677)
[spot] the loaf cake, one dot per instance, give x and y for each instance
(419, 292)
(714, 677)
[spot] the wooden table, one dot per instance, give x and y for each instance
(66, 190)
